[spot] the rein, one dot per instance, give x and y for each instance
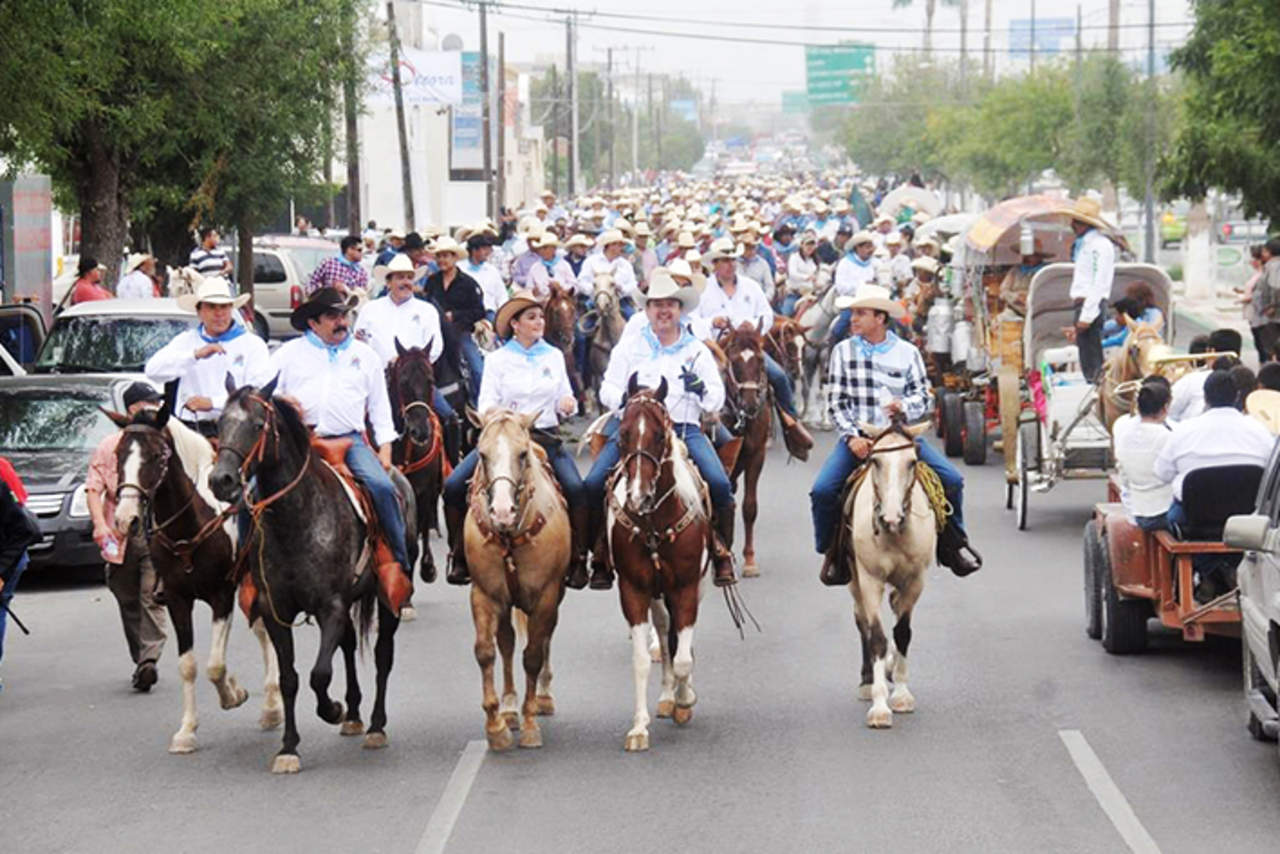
(526, 529)
(410, 465)
(743, 415)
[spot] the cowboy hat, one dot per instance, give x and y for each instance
(723, 248)
(1087, 210)
(507, 312)
(662, 286)
(548, 239)
(215, 290)
(749, 237)
(643, 230)
(323, 300)
(613, 235)
(883, 219)
(681, 267)
(135, 261)
(873, 297)
(1264, 405)
(447, 244)
(399, 263)
(578, 240)
(685, 240)
(929, 265)
(394, 234)
(858, 238)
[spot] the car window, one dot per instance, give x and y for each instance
(268, 269)
(52, 419)
(306, 259)
(104, 344)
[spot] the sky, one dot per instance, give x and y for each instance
(746, 73)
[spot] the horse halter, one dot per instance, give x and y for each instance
(258, 449)
(878, 505)
(146, 498)
(660, 412)
(736, 387)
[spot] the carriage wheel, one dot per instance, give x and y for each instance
(1123, 621)
(975, 433)
(952, 424)
(1028, 461)
(1092, 590)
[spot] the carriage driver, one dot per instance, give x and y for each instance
(873, 375)
(336, 380)
(665, 349)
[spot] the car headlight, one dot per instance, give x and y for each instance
(79, 503)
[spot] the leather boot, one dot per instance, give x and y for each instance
(453, 521)
(601, 571)
(952, 548)
(453, 439)
(579, 522)
(835, 572)
(722, 558)
(795, 436)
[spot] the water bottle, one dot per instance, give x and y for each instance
(111, 547)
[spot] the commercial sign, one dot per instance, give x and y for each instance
(685, 108)
(466, 122)
(426, 77)
(836, 74)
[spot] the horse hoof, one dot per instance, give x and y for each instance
(546, 705)
(241, 696)
(336, 711)
(879, 718)
(408, 614)
(902, 702)
(751, 570)
(182, 744)
(682, 715)
(864, 692)
(500, 739)
(655, 654)
(286, 763)
(352, 728)
(637, 741)
(512, 719)
(530, 737)
(375, 741)
(666, 708)
(270, 718)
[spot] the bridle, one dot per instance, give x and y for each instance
(435, 445)
(481, 498)
(878, 503)
(254, 457)
(743, 415)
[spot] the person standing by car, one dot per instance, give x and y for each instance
(200, 359)
(342, 271)
(88, 285)
(18, 530)
(209, 258)
(130, 576)
(139, 281)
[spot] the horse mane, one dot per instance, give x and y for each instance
(291, 422)
(193, 449)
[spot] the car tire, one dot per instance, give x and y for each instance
(1092, 589)
(1123, 621)
(260, 327)
(952, 424)
(975, 433)
(1253, 681)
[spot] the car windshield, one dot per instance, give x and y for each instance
(106, 343)
(52, 419)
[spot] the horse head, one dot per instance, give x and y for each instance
(1143, 343)
(605, 297)
(504, 455)
(561, 316)
(644, 444)
(142, 463)
(893, 472)
(411, 383)
(247, 418)
(746, 377)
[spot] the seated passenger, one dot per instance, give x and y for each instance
(1139, 305)
(1146, 497)
(1188, 392)
(1269, 376)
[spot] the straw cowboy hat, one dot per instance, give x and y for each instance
(685, 240)
(613, 235)
(446, 244)
(1264, 405)
(723, 248)
(643, 230)
(893, 238)
(135, 261)
(578, 240)
(399, 263)
(519, 301)
(215, 290)
(858, 238)
(548, 239)
(873, 297)
(682, 267)
(929, 265)
(321, 301)
(1087, 210)
(662, 286)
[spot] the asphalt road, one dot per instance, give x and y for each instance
(776, 758)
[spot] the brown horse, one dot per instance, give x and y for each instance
(606, 333)
(517, 539)
(1132, 361)
(748, 414)
(785, 342)
(561, 313)
(659, 531)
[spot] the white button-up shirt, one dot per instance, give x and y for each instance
(747, 305)
(540, 278)
(1138, 445)
(136, 285)
(851, 273)
(414, 323)
(336, 387)
(1222, 436)
(1095, 264)
(624, 275)
(246, 359)
(802, 273)
(490, 281)
(1188, 396)
(651, 362)
(697, 326)
(526, 381)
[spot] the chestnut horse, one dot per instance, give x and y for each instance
(518, 541)
(749, 414)
(1131, 361)
(163, 471)
(659, 531)
(561, 313)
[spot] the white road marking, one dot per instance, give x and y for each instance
(449, 807)
(1108, 794)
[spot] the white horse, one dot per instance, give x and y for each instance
(893, 530)
(183, 280)
(817, 318)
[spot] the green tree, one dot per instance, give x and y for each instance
(1096, 139)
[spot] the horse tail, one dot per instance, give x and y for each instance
(366, 607)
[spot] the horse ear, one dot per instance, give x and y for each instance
(872, 433)
(400, 351)
(162, 416)
(474, 418)
(917, 430)
(662, 390)
(633, 385)
(230, 383)
(270, 388)
(529, 419)
(118, 418)
(804, 329)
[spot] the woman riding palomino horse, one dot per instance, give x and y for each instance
(526, 375)
(163, 475)
(748, 410)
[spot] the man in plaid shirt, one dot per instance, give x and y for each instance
(344, 271)
(872, 376)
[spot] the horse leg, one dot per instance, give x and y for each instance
(750, 508)
(272, 707)
(286, 761)
(870, 591)
(541, 626)
(546, 702)
(426, 521)
(635, 607)
(864, 685)
(903, 603)
(332, 625)
(510, 707)
(384, 654)
(351, 724)
(230, 694)
(684, 613)
(662, 625)
(485, 616)
(184, 740)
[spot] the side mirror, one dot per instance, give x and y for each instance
(1252, 533)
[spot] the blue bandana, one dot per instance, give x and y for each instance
(656, 346)
(1029, 269)
(355, 265)
(531, 354)
(550, 265)
(232, 333)
(853, 256)
(867, 349)
(1079, 241)
(333, 349)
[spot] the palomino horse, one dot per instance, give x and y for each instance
(419, 452)
(561, 312)
(518, 543)
(815, 313)
(749, 414)
(308, 554)
(163, 470)
(609, 324)
(659, 532)
(1132, 361)
(891, 524)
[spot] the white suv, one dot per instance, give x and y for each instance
(281, 267)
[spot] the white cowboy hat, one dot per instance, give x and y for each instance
(548, 239)
(724, 248)
(893, 238)
(662, 286)
(685, 240)
(399, 263)
(395, 233)
(682, 267)
(613, 235)
(578, 240)
(215, 290)
(883, 219)
(135, 261)
(873, 297)
(858, 238)
(643, 230)
(446, 244)
(929, 265)
(519, 301)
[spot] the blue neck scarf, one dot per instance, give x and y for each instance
(232, 333)
(531, 354)
(655, 346)
(332, 349)
(867, 349)
(355, 265)
(1028, 269)
(853, 256)
(550, 265)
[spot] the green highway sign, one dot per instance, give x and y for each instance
(835, 74)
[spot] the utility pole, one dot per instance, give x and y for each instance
(653, 119)
(1149, 252)
(1033, 35)
(485, 119)
(964, 45)
(662, 114)
(613, 136)
(350, 110)
(500, 185)
(712, 111)
(1113, 25)
(406, 172)
(571, 81)
(987, 69)
(555, 132)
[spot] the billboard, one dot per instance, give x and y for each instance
(466, 123)
(1052, 36)
(426, 77)
(835, 74)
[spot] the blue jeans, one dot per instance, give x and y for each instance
(700, 451)
(824, 497)
(840, 328)
(6, 596)
(1153, 523)
(789, 303)
(364, 464)
(441, 405)
(781, 384)
(475, 362)
(627, 306)
(455, 486)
